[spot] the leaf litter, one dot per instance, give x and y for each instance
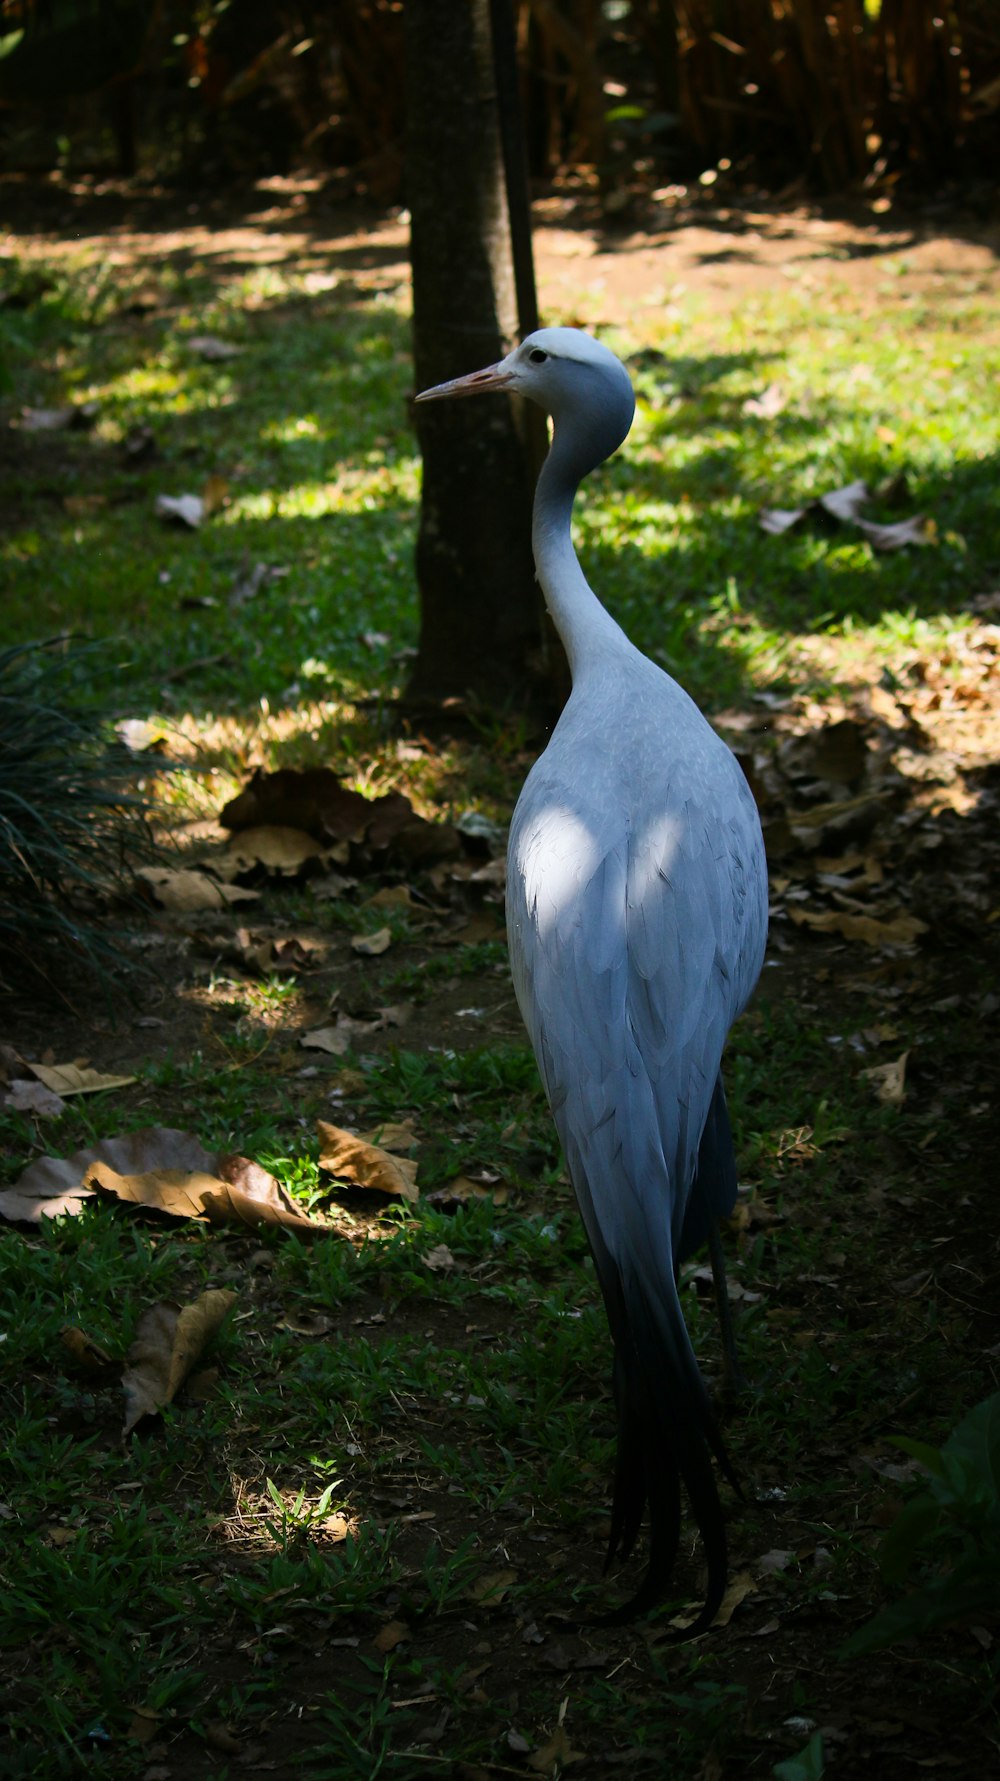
(169, 1341)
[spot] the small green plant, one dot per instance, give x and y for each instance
(297, 1518)
(951, 1531)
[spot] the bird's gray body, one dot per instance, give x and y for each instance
(636, 914)
(636, 926)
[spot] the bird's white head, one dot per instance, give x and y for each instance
(573, 377)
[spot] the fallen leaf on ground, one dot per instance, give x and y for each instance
(241, 1193)
(53, 1185)
(339, 1038)
(189, 510)
(439, 1259)
(288, 952)
(371, 945)
(140, 734)
(460, 1191)
(844, 505)
(901, 930)
(26, 1096)
(778, 1559)
(771, 402)
(74, 1079)
(555, 1755)
(84, 1350)
(396, 1135)
(491, 1587)
(314, 800)
(209, 346)
(169, 1339)
(737, 1591)
(889, 1080)
(391, 1635)
(53, 420)
(187, 891)
(214, 494)
(271, 846)
(351, 1158)
(393, 896)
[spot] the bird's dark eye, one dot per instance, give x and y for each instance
(537, 356)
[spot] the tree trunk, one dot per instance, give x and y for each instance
(481, 631)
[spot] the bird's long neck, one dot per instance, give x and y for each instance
(588, 632)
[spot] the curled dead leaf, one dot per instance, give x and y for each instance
(372, 945)
(889, 1080)
(352, 1158)
(439, 1259)
(900, 930)
(169, 1339)
(76, 1079)
(391, 1635)
(187, 891)
(33, 1097)
(241, 1193)
(491, 1587)
(555, 1755)
(270, 847)
(54, 1186)
(83, 1350)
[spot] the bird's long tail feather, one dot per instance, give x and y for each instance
(667, 1435)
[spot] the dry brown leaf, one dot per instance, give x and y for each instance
(186, 890)
(76, 1079)
(169, 1340)
(214, 494)
(351, 1158)
(889, 1080)
(288, 952)
(271, 847)
(392, 896)
(371, 945)
(901, 930)
(53, 1185)
(478, 930)
(439, 1259)
(460, 1191)
(491, 1587)
(397, 1136)
(555, 1755)
(242, 1193)
(391, 1635)
(339, 1038)
(26, 1096)
(84, 1350)
(844, 821)
(738, 1589)
(334, 1040)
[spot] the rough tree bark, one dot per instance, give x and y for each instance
(482, 630)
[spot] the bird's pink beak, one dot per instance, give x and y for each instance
(495, 377)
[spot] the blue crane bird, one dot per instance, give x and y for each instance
(636, 916)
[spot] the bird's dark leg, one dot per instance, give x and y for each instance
(736, 1380)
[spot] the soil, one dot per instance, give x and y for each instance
(885, 1718)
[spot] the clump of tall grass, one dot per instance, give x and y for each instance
(71, 817)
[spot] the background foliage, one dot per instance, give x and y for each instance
(832, 92)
